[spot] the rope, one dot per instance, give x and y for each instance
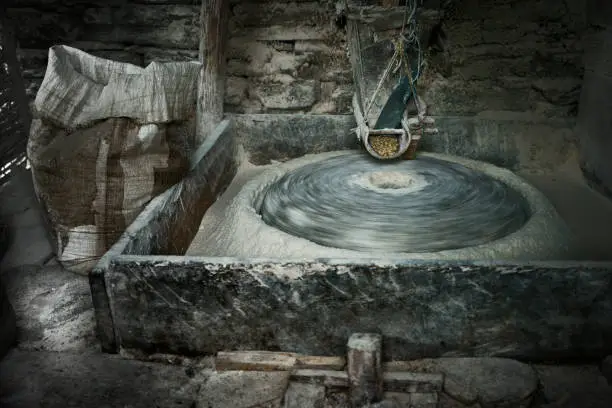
(399, 55)
(382, 80)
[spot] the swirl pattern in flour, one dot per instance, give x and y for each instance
(354, 202)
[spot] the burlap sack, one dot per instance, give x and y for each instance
(107, 137)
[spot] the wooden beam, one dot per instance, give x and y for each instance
(355, 46)
(328, 378)
(254, 361)
(394, 381)
(274, 361)
(320, 362)
(211, 90)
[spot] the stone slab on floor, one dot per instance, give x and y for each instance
(300, 395)
(336, 398)
(581, 386)
(53, 307)
(492, 382)
(244, 389)
(412, 400)
(77, 380)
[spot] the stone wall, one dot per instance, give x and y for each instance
(516, 63)
(287, 57)
(138, 31)
(290, 57)
(502, 55)
(502, 76)
(283, 56)
(509, 55)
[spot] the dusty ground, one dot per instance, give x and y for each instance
(58, 364)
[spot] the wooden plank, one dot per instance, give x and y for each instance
(387, 131)
(391, 381)
(213, 41)
(354, 46)
(277, 361)
(364, 366)
(254, 361)
(155, 229)
(328, 378)
(320, 363)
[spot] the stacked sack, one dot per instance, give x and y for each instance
(106, 138)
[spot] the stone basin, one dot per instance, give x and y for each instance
(150, 296)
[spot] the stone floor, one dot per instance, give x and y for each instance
(57, 362)
(91, 379)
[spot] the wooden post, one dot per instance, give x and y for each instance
(364, 368)
(211, 87)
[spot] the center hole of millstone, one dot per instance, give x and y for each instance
(390, 180)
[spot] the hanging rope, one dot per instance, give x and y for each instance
(408, 35)
(386, 73)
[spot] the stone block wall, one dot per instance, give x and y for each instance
(287, 57)
(509, 55)
(519, 56)
(136, 31)
(503, 79)
(290, 57)
(518, 59)
(283, 57)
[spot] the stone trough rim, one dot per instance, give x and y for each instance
(544, 236)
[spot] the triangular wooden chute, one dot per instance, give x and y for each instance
(385, 75)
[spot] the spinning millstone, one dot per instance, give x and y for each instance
(346, 204)
(355, 202)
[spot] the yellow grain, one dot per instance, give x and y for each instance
(385, 146)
